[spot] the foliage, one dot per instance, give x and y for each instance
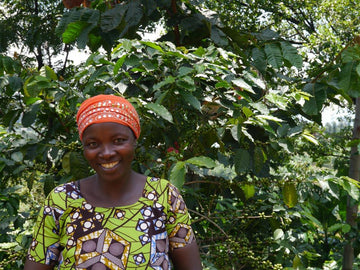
(321, 30)
(321, 26)
(102, 24)
(28, 28)
(227, 138)
(222, 117)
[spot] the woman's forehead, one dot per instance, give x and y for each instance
(107, 128)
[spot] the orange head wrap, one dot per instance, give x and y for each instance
(107, 108)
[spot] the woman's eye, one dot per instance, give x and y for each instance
(92, 144)
(120, 140)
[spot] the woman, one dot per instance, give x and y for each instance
(117, 218)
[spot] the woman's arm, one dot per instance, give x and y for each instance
(29, 265)
(186, 258)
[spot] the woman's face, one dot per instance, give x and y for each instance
(110, 149)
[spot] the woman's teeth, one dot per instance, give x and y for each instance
(109, 165)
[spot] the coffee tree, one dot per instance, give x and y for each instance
(223, 117)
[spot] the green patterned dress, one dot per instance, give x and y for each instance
(75, 235)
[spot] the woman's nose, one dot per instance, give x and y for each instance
(107, 151)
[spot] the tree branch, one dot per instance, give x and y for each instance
(208, 219)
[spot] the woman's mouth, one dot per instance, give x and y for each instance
(109, 165)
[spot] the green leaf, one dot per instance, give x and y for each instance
(49, 183)
(66, 162)
(152, 45)
(183, 71)
(345, 228)
(35, 84)
(310, 138)
(294, 131)
(17, 156)
(12, 211)
(349, 80)
(358, 70)
(177, 174)
(259, 59)
(218, 36)
(236, 132)
(290, 194)
(335, 227)
(297, 264)
(222, 84)
(268, 34)
(273, 55)
(94, 42)
(15, 83)
(193, 101)
(48, 72)
(83, 38)
(249, 190)
(79, 166)
(112, 18)
(200, 52)
(8, 65)
(185, 82)
(30, 88)
(350, 180)
(243, 85)
(73, 31)
(119, 64)
(259, 159)
(278, 234)
(2, 166)
(269, 117)
(202, 161)
(309, 214)
(352, 143)
(29, 117)
(222, 171)
(345, 76)
(315, 103)
(278, 100)
(242, 161)
(248, 112)
(290, 53)
(160, 110)
(168, 80)
(257, 81)
(7, 245)
(14, 201)
(75, 164)
(350, 188)
(350, 54)
(134, 13)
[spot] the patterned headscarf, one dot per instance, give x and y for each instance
(107, 108)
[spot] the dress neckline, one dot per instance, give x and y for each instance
(139, 200)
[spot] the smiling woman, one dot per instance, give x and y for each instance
(110, 149)
(117, 218)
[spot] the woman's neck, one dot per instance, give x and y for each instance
(114, 193)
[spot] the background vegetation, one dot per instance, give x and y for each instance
(231, 98)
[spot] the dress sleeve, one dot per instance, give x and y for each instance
(178, 221)
(45, 245)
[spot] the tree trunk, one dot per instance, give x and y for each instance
(354, 173)
(39, 57)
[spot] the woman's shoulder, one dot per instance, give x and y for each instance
(65, 192)
(162, 187)
(157, 183)
(153, 179)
